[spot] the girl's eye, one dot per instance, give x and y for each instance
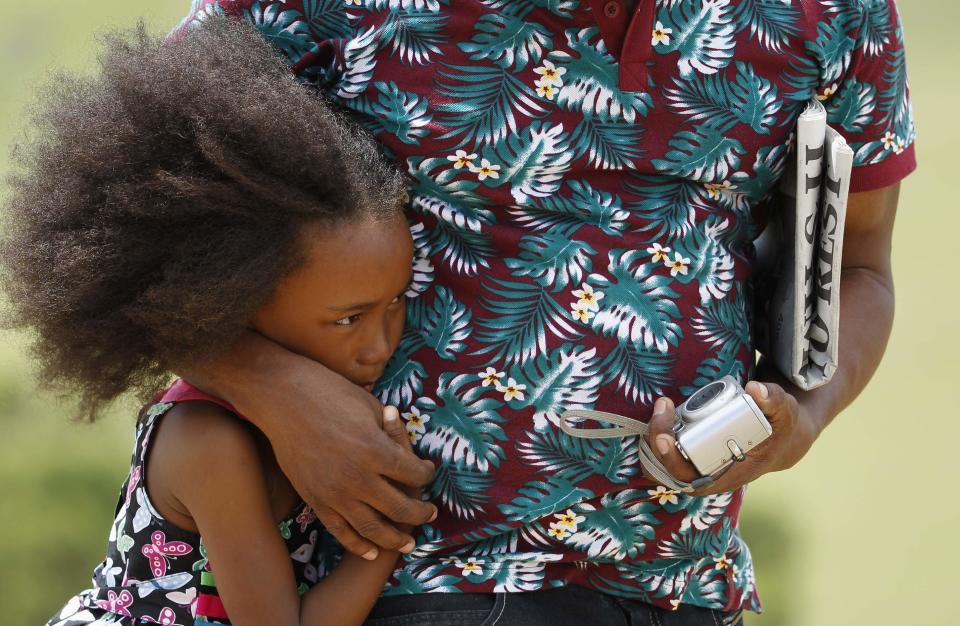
(348, 321)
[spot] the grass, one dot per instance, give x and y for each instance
(860, 532)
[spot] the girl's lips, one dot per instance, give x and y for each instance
(368, 387)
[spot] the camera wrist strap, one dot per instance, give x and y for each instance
(629, 427)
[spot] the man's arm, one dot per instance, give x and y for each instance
(326, 434)
(866, 318)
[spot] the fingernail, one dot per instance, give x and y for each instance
(663, 444)
(408, 547)
(371, 555)
(660, 407)
(763, 391)
(434, 516)
(390, 414)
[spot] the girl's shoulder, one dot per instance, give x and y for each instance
(194, 440)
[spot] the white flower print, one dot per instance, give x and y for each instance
(485, 170)
(581, 313)
(588, 297)
(661, 35)
(491, 376)
(461, 159)
(679, 265)
(715, 189)
(551, 74)
(546, 90)
(415, 420)
(663, 494)
(827, 92)
(569, 520)
(511, 390)
(890, 141)
(659, 253)
(558, 531)
(471, 566)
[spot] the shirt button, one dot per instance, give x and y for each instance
(611, 9)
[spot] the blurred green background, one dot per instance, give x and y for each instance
(863, 531)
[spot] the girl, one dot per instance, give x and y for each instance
(156, 215)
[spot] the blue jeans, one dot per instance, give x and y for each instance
(563, 606)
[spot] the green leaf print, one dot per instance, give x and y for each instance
(402, 380)
(423, 578)
(539, 499)
(418, 5)
(358, 64)
(566, 378)
(702, 34)
(718, 103)
(591, 84)
(564, 216)
(832, 48)
(607, 145)
(666, 202)
(575, 459)
(618, 529)
(553, 260)
(440, 190)
(640, 374)
(521, 317)
(638, 305)
(710, 263)
(400, 113)
(414, 34)
(852, 107)
(462, 491)
(327, 19)
(445, 324)
(464, 426)
(532, 162)
(286, 30)
(481, 103)
(772, 22)
(521, 8)
(508, 41)
(705, 154)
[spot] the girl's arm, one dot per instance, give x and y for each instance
(315, 418)
(205, 463)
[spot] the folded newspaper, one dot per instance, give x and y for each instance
(798, 292)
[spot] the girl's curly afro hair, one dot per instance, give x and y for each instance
(154, 206)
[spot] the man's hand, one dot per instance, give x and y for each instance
(793, 434)
(327, 436)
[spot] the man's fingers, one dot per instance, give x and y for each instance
(344, 533)
(779, 406)
(403, 466)
(662, 441)
(393, 426)
(374, 528)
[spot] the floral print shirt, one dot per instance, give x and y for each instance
(586, 179)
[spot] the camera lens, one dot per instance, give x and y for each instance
(700, 399)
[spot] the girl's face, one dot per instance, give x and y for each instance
(344, 307)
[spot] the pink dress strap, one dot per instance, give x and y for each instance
(182, 391)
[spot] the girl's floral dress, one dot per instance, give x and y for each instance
(157, 573)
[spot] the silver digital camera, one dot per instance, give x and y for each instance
(718, 425)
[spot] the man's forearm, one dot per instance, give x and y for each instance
(240, 375)
(866, 319)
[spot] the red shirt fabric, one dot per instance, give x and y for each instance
(586, 181)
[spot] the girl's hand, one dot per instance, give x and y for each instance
(793, 434)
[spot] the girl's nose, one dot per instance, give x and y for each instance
(376, 348)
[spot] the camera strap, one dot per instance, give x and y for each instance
(629, 427)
